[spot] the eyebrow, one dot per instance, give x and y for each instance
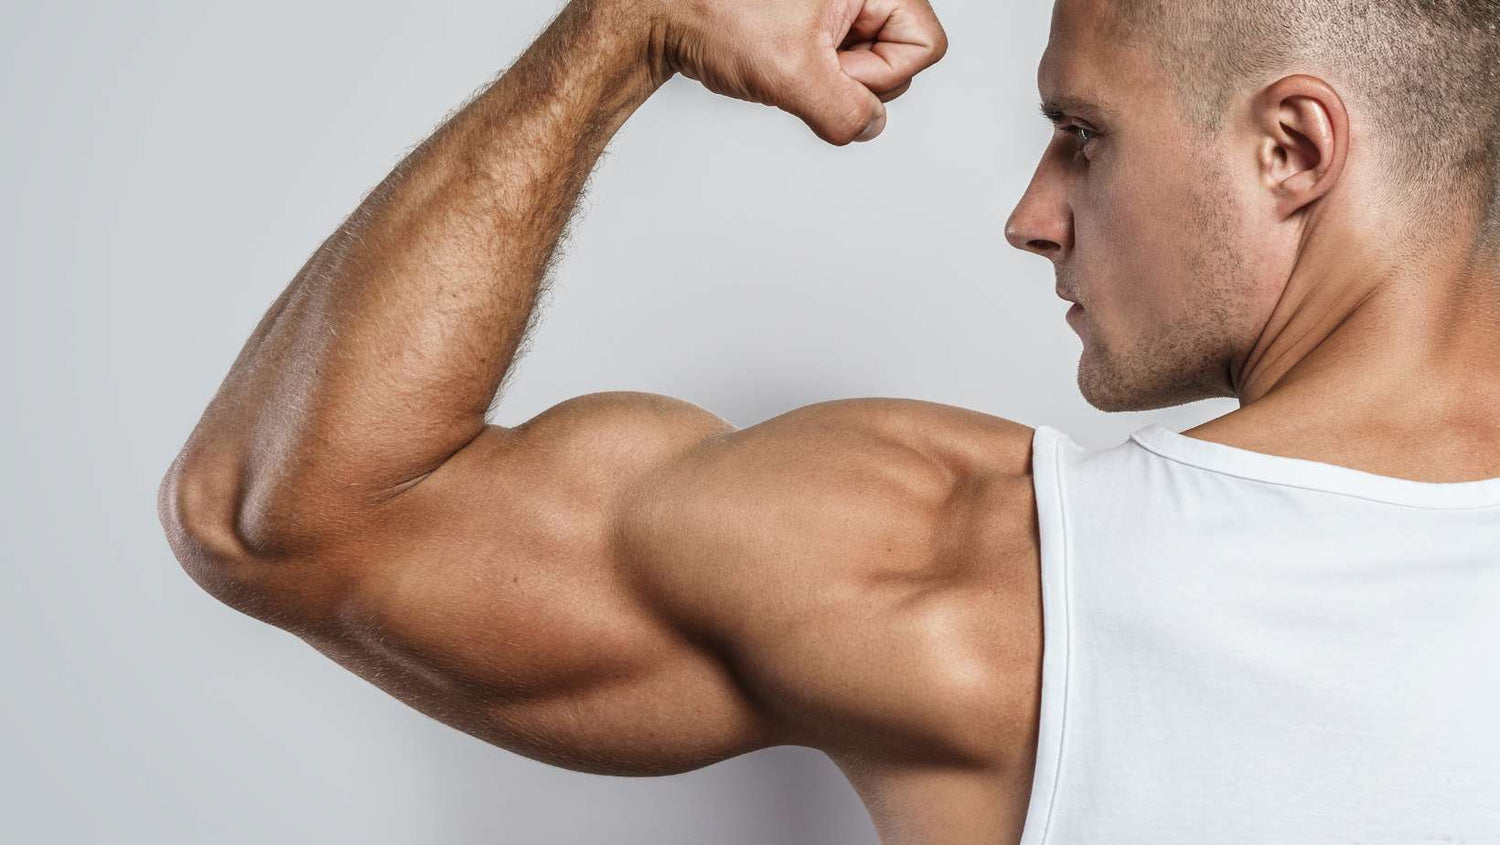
(1056, 107)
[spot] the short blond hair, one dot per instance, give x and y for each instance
(1428, 72)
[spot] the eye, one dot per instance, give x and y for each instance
(1084, 135)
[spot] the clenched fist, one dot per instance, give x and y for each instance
(832, 63)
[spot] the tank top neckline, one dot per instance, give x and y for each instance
(1316, 475)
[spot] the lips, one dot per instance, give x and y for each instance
(1074, 318)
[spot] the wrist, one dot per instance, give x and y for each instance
(634, 34)
(656, 40)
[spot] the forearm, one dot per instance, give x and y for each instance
(386, 351)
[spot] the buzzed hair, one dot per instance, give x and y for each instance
(1427, 73)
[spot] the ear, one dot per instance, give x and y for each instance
(1304, 140)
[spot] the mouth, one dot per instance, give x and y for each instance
(1076, 321)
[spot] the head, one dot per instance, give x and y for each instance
(1208, 152)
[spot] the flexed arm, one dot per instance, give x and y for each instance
(623, 583)
(381, 358)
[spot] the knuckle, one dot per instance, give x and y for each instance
(939, 39)
(838, 132)
(939, 45)
(850, 124)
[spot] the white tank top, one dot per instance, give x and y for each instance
(1250, 648)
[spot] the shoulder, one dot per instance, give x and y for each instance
(853, 484)
(869, 561)
(966, 475)
(912, 440)
(956, 434)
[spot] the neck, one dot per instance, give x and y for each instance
(1404, 338)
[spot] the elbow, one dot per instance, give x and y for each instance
(198, 520)
(199, 511)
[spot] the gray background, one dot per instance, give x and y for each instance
(168, 166)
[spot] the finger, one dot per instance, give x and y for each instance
(892, 41)
(837, 108)
(887, 96)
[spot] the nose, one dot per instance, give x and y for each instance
(1041, 222)
(1019, 235)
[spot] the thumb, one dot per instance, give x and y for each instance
(835, 106)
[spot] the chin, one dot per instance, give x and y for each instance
(1114, 392)
(1116, 403)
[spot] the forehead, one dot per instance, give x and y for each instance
(1085, 70)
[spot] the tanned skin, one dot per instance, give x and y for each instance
(626, 583)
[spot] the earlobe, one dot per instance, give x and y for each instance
(1306, 141)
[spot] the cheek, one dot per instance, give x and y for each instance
(1130, 263)
(1159, 251)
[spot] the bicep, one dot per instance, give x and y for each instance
(626, 584)
(494, 597)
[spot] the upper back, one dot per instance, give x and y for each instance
(1261, 648)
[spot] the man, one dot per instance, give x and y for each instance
(1275, 628)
